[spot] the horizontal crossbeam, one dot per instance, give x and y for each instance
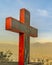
(16, 26)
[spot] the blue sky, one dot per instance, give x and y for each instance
(41, 18)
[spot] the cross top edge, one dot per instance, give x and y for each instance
(24, 9)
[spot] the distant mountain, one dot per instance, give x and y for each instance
(37, 50)
(41, 49)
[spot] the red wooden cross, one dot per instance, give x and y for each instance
(25, 31)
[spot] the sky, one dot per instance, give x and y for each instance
(41, 18)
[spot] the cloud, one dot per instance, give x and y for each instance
(42, 12)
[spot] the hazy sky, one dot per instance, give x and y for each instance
(41, 18)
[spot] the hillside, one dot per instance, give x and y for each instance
(37, 50)
(41, 50)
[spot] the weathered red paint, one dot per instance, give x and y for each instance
(21, 49)
(8, 23)
(22, 35)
